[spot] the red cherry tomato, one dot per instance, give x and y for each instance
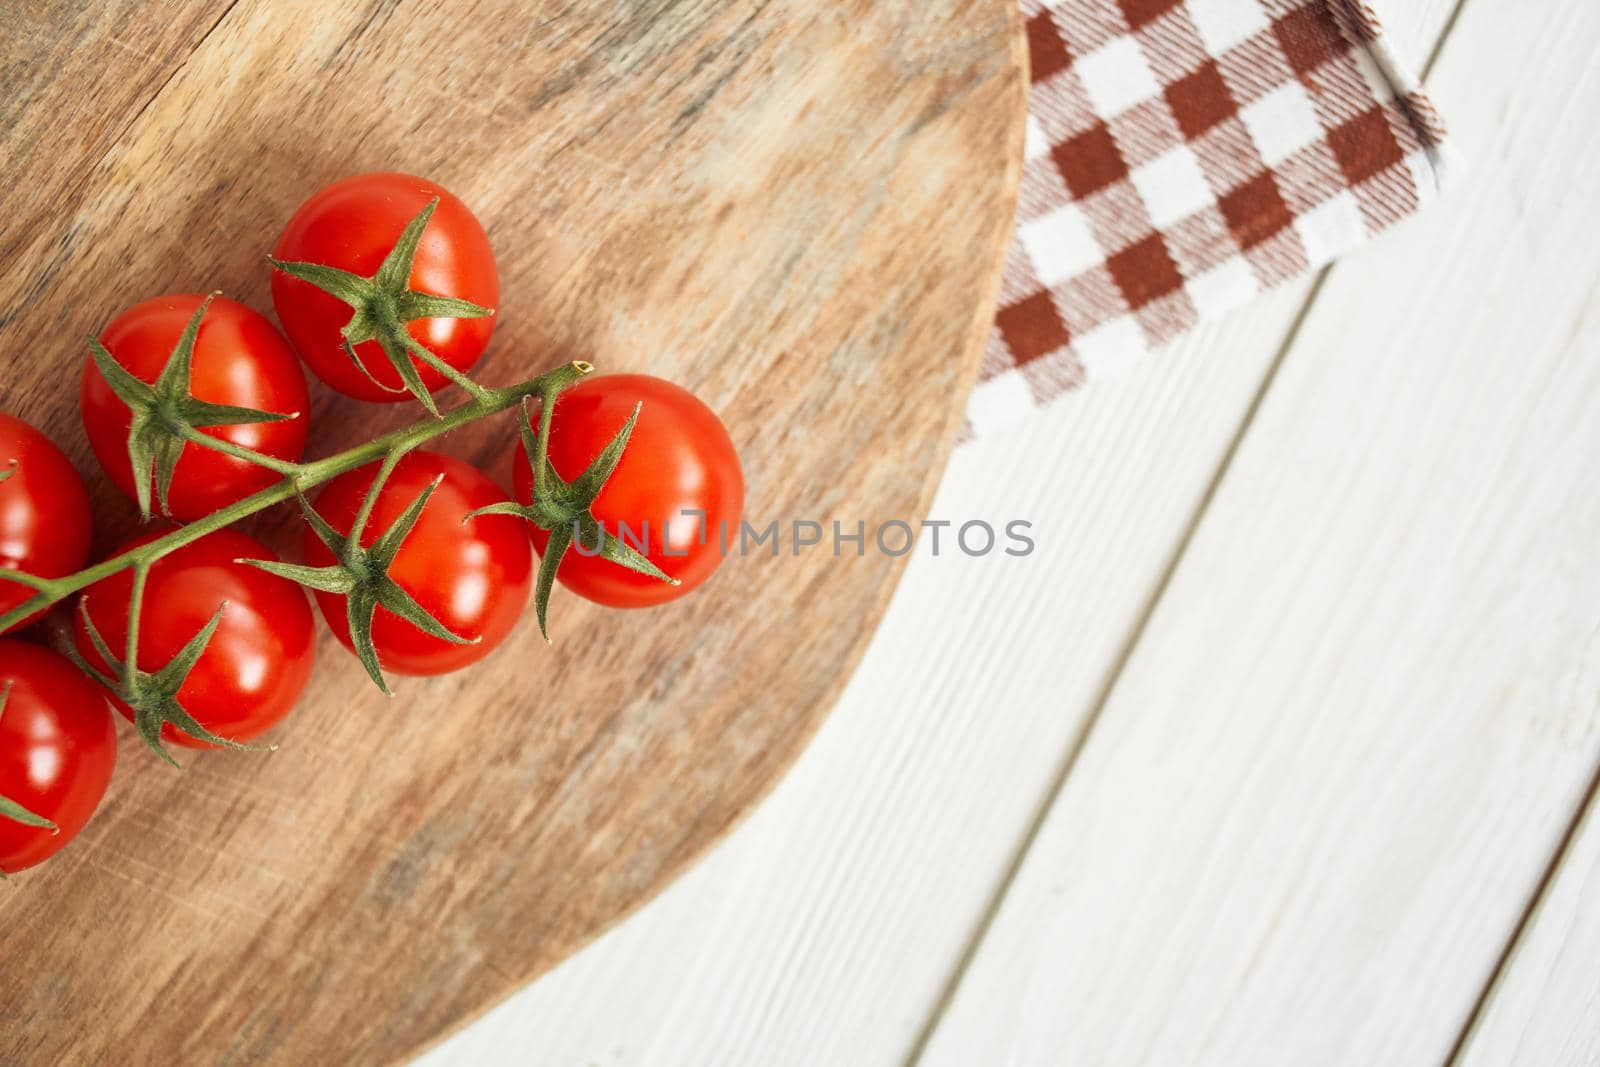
(256, 664)
(472, 575)
(679, 461)
(239, 360)
(45, 523)
(353, 224)
(57, 749)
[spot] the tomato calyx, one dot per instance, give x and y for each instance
(382, 305)
(10, 809)
(153, 696)
(361, 575)
(167, 416)
(564, 508)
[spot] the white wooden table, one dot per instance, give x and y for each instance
(1277, 751)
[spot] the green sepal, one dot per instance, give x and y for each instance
(505, 507)
(361, 575)
(336, 542)
(548, 506)
(165, 415)
(153, 696)
(397, 352)
(10, 809)
(415, 305)
(382, 305)
(353, 289)
(586, 487)
(563, 508)
(360, 604)
(200, 414)
(555, 550)
(332, 579)
(395, 270)
(350, 351)
(399, 602)
(617, 550)
(382, 551)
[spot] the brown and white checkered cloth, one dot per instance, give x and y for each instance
(1182, 157)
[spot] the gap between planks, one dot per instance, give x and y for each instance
(1058, 781)
(1525, 922)
(1558, 856)
(1141, 621)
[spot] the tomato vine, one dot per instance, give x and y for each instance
(131, 372)
(204, 420)
(154, 692)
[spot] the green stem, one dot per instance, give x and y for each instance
(305, 476)
(130, 655)
(364, 513)
(547, 407)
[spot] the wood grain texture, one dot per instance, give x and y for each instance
(75, 75)
(796, 212)
(1545, 1009)
(1341, 758)
(823, 930)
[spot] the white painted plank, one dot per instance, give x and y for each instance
(1348, 743)
(1545, 1011)
(1413, 28)
(823, 930)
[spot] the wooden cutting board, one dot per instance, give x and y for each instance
(796, 208)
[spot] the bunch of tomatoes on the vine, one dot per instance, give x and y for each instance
(197, 408)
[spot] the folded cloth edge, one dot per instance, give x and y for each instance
(1362, 28)
(1051, 331)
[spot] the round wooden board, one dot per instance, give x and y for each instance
(795, 208)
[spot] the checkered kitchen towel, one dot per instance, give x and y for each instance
(1184, 156)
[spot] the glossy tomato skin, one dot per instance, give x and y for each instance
(352, 224)
(257, 662)
(58, 747)
(680, 460)
(45, 523)
(239, 359)
(473, 575)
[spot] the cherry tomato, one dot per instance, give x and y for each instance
(679, 461)
(255, 665)
(353, 224)
(472, 575)
(45, 523)
(239, 360)
(57, 749)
